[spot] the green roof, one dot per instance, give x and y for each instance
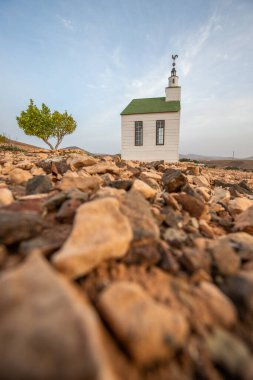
(151, 105)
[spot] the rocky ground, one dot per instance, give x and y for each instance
(117, 270)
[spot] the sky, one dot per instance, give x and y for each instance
(92, 57)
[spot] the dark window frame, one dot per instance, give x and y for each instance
(138, 133)
(160, 124)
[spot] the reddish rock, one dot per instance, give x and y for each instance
(194, 206)
(17, 226)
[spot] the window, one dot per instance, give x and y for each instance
(160, 125)
(138, 133)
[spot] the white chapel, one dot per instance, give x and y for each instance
(150, 126)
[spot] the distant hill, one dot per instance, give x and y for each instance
(200, 157)
(23, 146)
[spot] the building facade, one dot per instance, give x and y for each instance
(150, 126)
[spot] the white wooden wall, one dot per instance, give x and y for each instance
(149, 151)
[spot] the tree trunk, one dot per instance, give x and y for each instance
(59, 140)
(48, 143)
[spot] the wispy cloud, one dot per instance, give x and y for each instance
(67, 23)
(116, 57)
(196, 42)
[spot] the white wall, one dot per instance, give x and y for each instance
(173, 93)
(149, 151)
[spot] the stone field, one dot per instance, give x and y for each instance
(119, 270)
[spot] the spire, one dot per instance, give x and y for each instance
(173, 91)
(173, 71)
(173, 79)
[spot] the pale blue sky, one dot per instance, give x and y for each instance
(91, 57)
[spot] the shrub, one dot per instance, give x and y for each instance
(11, 148)
(3, 139)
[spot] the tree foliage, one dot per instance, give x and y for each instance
(45, 124)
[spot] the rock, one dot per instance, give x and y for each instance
(172, 218)
(80, 161)
(102, 169)
(226, 261)
(220, 308)
(171, 201)
(149, 331)
(125, 184)
(238, 205)
(106, 192)
(37, 171)
(54, 202)
(201, 181)
(100, 232)
(244, 221)
(204, 192)
(33, 339)
(5, 197)
(137, 210)
(144, 252)
(206, 229)
(25, 164)
(220, 196)
(242, 243)
(47, 242)
(193, 170)
(38, 184)
(144, 189)
(87, 185)
(152, 183)
(19, 176)
(175, 236)
(173, 180)
(58, 165)
(3, 254)
(228, 351)
(194, 259)
(240, 289)
(194, 206)
(67, 210)
(19, 225)
(150, 175)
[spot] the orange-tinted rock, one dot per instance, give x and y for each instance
(88, 184)
(148, 330)
(100, 232)
(244, 221)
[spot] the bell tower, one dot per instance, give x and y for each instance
(173, 91)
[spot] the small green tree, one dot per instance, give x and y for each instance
(44, 124)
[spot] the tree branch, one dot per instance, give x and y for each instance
(48, 143)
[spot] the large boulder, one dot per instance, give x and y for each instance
(47, 330)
